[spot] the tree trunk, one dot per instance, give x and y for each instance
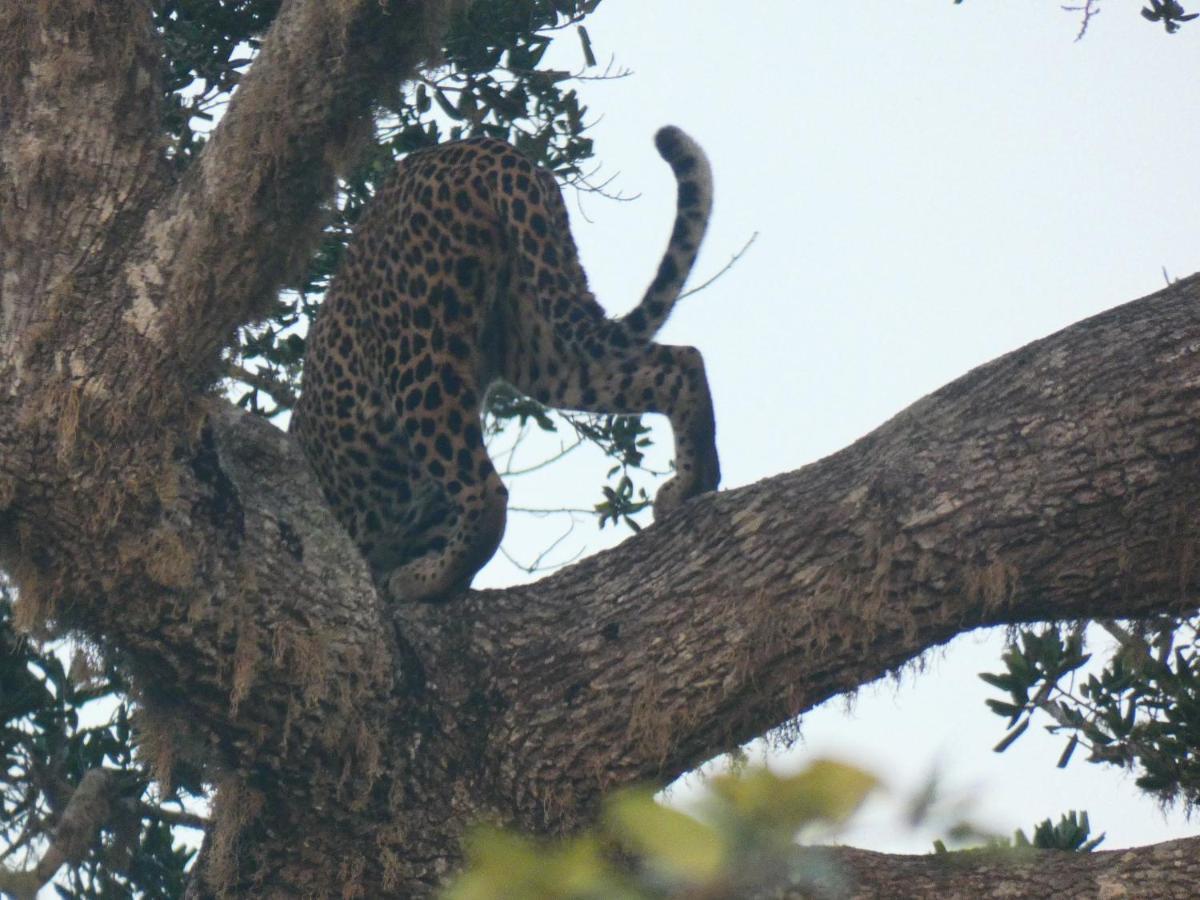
(351, 743)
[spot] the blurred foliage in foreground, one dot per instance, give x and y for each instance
(750, 835)
(743, 841)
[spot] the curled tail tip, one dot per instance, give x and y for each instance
(674, 143)
(687, 160)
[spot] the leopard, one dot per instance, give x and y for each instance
(462, 272)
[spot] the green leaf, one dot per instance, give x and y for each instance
(1008, 710)
(1067, 753)
(586, 42)
(1010, 737)
(669, 840)
(503, 866)
(824, 791)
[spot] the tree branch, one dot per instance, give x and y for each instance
(1058, 481)
(180, 817)
(263, 380)
(1161, 872)
(249, 212)
(80, 822)
(79, 154)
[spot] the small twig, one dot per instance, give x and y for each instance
(263, 381)
(29, 833)
(181, 817)
(1089, 9)
(563, 451)
(508, 453)
(539, 511)
(607, 74)
(536, 565)
(729, 265)
(583, 184)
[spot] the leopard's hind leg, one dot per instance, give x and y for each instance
(653, 378)
(447, 455)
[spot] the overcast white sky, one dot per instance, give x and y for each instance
(934, 185)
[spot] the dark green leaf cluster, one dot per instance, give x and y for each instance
(206, 47)
(1072, 834)
(493, 82)
(623, 439)
(1169, 12)
(1140, 711)
(621, 503)
(48, 748)
(505, 403)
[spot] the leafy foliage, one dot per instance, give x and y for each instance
(48, 749)
(1072, 833)
(1169, 12)
(206, 47)
(742, 842)
(1141, 710)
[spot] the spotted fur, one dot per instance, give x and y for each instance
(463, 271)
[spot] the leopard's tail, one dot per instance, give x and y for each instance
(692, 208)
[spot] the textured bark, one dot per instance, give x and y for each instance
(1055, 482)
(1167, 871)
(351, 744)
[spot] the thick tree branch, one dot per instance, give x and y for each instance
(212, 567)
(79, 157)
(1058, 481)
(1168, 871)
(248, 213)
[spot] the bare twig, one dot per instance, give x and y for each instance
(264, 381)
(541, 511)
(563, 450)
(179, 817)
(733, 260)
(1089, 8)
(536, 565)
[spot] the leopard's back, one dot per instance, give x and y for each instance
(463, 270)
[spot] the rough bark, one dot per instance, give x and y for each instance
(351, 744)
(1170, 870)
(1055, 482)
